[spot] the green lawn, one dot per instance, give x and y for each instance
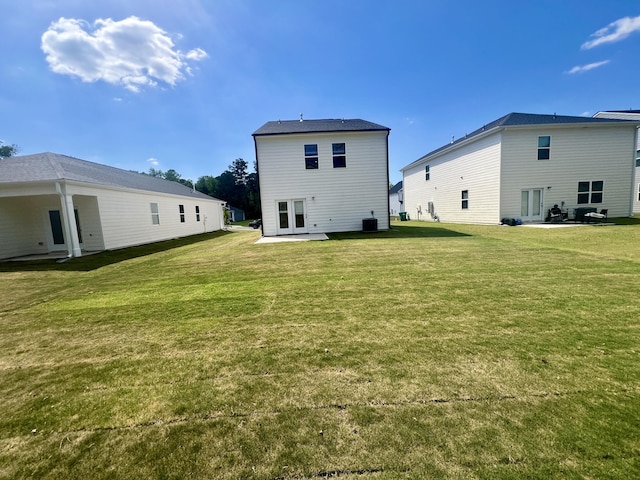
(431, 351)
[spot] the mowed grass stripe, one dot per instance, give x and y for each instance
(198, 336)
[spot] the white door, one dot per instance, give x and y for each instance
(531, 205)
(292, 217)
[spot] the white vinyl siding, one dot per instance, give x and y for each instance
(474, 167)
(126, 217)
(578, 154)
(109, 217)
(337, 199)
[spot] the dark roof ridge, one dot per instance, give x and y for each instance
(517, 119)
(284, 127)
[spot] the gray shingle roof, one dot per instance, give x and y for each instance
(44, 167)
(282, 127)
(519, 120)
(396, 188)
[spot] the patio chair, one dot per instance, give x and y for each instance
(595, 216)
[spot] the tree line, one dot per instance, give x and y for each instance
(236, 186)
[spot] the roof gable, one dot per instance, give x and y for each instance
(287, 127)
(396, 188)
(47, 167)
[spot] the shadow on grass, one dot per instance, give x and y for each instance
(626, 220)
(108, 257)
(424, 230)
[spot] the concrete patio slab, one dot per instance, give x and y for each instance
(305, 237)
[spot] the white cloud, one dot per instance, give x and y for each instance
(614, 32)
(586, 68)
(132, 52)
(153, 161)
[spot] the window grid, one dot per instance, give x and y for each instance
(544, 147)
(181, 209)
(465, 199)
(339, 155)
(311, 156)
(427, 174)
(155, 216)
(197, 213)
(590, 192)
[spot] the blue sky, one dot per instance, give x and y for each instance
(183, 84)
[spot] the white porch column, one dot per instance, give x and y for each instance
(69, 222)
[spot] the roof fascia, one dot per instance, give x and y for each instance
(315, 132)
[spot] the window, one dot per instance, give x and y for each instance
(544, 147)
(311, 157)
(339, 155)
(590, 192)
(155, 216)
(465, 199)
(197, 213)
(637, 158)
(426, 172)
(639, 192)
(181, 208)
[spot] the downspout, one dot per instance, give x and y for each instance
(69, 222)
(255, 144)
(388, 200)
(635, 191)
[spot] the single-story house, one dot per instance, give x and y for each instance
(52, 203)
(396, 200)
(520, 165)
(628, 115)
(321, 176)
(235, 214)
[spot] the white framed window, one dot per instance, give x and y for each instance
(155, 216)
(311, 156)
(181, 209)
(197, 213)
(339, 155)
(465, 199)
(427, 174)
(544, 147)
(590, 192)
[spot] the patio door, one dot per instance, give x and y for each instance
(531, 205)
(292, 217)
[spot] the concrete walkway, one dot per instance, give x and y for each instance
(294, 238)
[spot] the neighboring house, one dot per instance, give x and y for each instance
(629, 115)
(320, 176)
(52, 203)
(396, 201)
(520, 165)
(235, 214)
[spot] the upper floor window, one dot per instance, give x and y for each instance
(311, 157)
(590, 192)
(544, 147)
(465, 199)
(339, 155)
(197, 213)
(155, 216)
(427, 175)
(181, 208)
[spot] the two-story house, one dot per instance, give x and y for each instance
(521, 165)
(321, 176)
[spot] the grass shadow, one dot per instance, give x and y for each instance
(422, 230)
(108, 257)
